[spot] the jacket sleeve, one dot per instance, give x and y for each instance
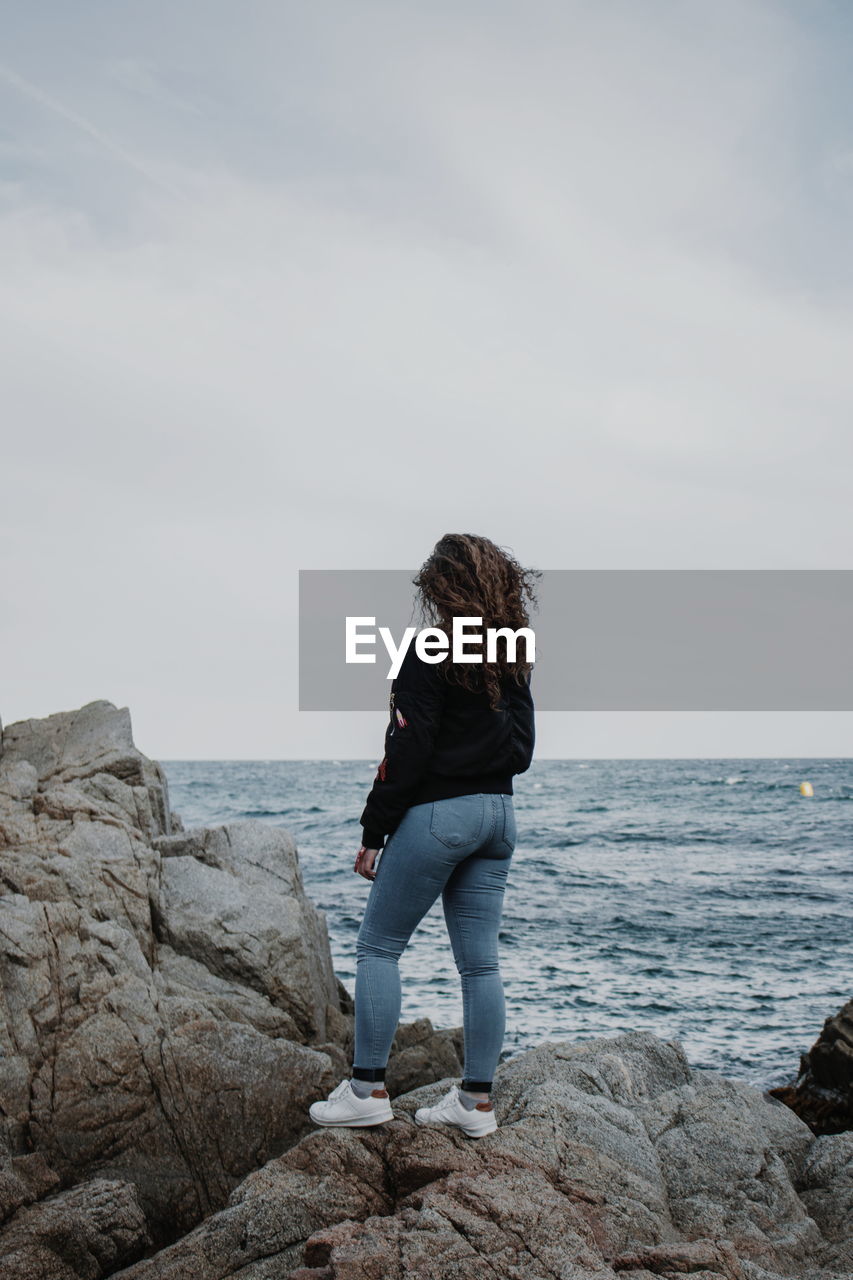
(417, 700)
(523, 724)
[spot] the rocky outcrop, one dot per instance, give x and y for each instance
(92, 747)
(169, 1010)
(614, 1158)
(823, 1092)
(169, 1006)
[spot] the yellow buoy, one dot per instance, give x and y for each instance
(806, 789)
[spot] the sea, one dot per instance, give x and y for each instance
(706, 901)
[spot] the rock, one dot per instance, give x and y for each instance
(823, 1092)
(18, 779)
(331, 1175)
(420, 1053)
(169, 1010)
(614, 1158)
(81, 1234)
(152, 1030)
(829, 1062)
(825, 1184)
(23, 1179)
(96, 739)
(233, 899)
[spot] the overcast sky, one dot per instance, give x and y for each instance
(291, 285)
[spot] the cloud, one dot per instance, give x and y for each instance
(407, 269)
(140, 76)
(37, 95)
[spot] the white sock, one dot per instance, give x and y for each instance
(469, 1100)
(364, 1088)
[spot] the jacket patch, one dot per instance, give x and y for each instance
(401, 719)
(383, 766)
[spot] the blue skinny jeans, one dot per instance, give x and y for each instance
(459, 848)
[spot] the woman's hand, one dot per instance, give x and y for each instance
(364, 860)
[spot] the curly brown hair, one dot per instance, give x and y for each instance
(470, 576)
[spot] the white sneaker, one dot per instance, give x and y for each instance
(451, 1111)
(344, 1106)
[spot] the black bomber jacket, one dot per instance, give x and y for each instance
(444, 740)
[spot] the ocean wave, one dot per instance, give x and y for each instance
(267, 813)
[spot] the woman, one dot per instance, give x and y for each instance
(441, 805)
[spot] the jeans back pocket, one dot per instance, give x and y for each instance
(456, 822)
